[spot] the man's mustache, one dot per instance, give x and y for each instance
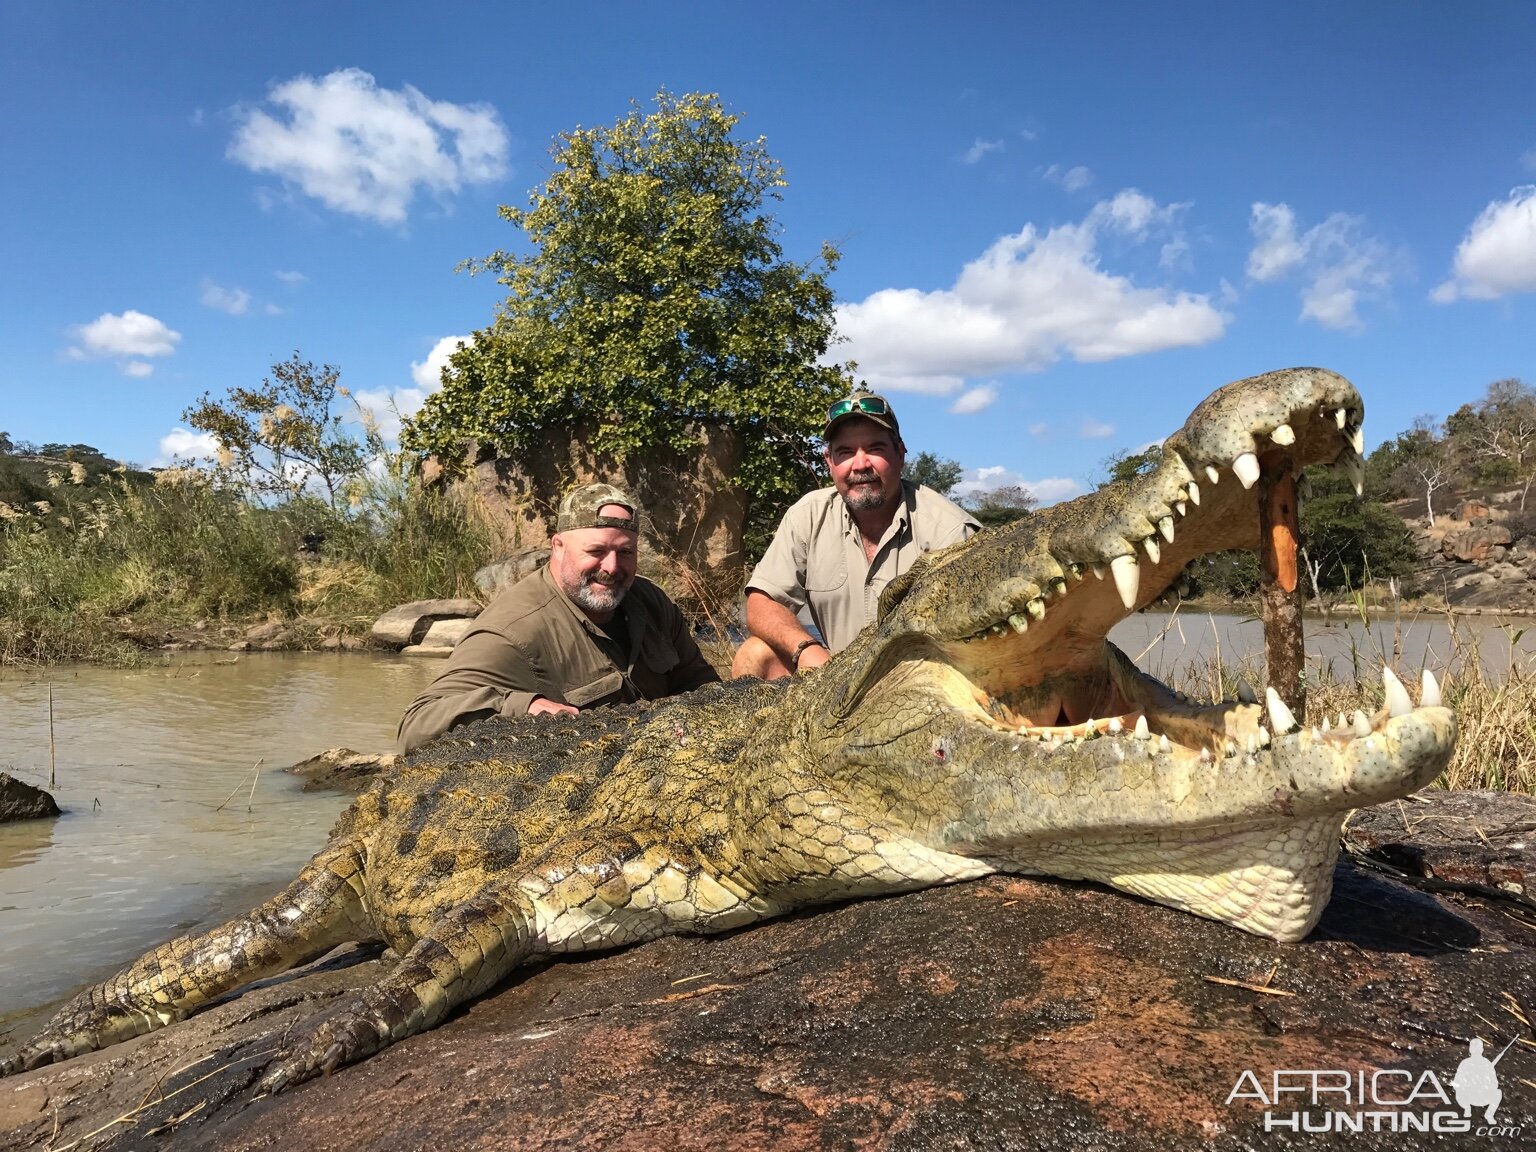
(870, 477)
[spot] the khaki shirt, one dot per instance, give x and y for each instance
(817, 559)
(532, 641)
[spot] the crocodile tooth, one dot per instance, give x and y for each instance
(1212, 475)
(1205, 755)
(1075, 571)
(1357, 439)
(1165, 526)
(1362, 723)
(1327, 727)
(1252, 743)
(1398, 703)
(1342, 723)
(1090, 728)
(1429, 691)
(1263, 736)
(1182, 508)
(1245, 693)
(1354, 468)
(1018, 623)
(1127, 579)
(1231, 749)
(1115, 726)
(1142, 731)
(998, 629)
(1279, 715)
(1316, 732)
(1340, 417)
(1098, 571)
(1283, 435)
(1162, 743)
(1246, 465)
(1150, 544)
(1036, 608)
(1194, 493)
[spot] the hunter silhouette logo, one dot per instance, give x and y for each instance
(1382, 1100)
(1476, 1083)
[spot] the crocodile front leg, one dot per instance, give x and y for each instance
(582, 896)
(319, 910)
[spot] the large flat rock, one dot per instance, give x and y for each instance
(1000, 1014)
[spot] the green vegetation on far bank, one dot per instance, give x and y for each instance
(98, 561)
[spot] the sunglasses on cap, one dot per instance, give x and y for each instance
(869, 405)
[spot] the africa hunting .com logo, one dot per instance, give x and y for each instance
(1382, 1100)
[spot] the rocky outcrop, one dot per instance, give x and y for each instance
(1008, 1013)
(410, 623)
(502, 574)
(693, 509)
(1481, 558)
(21, 801)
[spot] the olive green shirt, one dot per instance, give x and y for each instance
(533, 641)
(817, 560)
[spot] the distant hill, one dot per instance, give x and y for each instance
(24, 469)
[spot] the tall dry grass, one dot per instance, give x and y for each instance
(85, 573)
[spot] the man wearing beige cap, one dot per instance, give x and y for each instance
(582, 631)
(837, 548)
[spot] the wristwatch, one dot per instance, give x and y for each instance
(794, 659)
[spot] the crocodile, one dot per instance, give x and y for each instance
(983, 723)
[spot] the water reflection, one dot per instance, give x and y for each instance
(169, 820)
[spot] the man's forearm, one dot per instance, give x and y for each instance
(775, 625)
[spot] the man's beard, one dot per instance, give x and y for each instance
(860, 497)
(597, 595)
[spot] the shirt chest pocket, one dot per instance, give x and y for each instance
(596, 692)
(826, 579)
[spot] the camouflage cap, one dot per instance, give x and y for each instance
(580, 508)
(862, 405)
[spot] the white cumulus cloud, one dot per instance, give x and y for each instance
(1026, 302)
(235, 301)
(1497, 256)
(975, 482)
(1095, 430)
(123, 338)
(366, 150)
(294, 279)
(974, 400)
(980, 148)
(1073, 179)
(1340, 265)
(185, 445)
(388, 406)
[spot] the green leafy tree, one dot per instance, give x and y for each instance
(283, 439)
(1349, 540)
(1000, 505)
(654, 296)
(1127, 465)
(936, 472)
(1495, 439)
(1416, 463)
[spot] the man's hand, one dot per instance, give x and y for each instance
(544, 706)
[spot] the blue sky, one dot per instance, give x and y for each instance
(1061, 225)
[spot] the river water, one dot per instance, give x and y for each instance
(169, 824)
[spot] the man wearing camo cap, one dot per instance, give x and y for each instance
(582, 631)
